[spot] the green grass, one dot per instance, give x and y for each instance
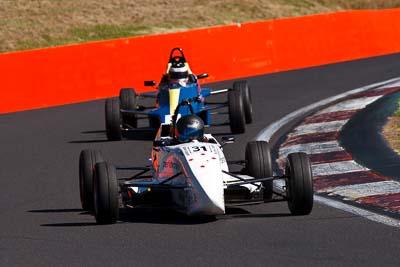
(44, 23)
(103, 31)
(297, 3)
(86, 34)
(360, 4)
(397, 113)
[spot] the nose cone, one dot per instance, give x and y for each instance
(207, 194)
(206, 205)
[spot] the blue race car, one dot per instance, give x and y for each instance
(177, 84)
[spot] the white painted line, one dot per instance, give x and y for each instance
(357, 211)
(271, 129)
(351, 104)
(268, 132)
(338, 167)
(395, 84)
(279, 186)
(352, 192)
(311, 148)
(321, 127)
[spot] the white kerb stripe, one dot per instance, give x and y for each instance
(323, 127)
(338, 167)
(279, 185)
(395, 84)
(311, 148)
(269, 131)
(351, 104)
(357, 211)
(352, 192)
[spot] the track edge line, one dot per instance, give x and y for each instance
(272, 132)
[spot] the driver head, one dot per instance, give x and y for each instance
(178, 74)
(188, 128)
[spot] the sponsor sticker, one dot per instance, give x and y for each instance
(200, 148)
(186, 151)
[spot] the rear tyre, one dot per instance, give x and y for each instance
(258, 164)
(113, 119)
(300, 184)
(128, 101)
(87, 160)
(154, 122)
(246, 95)
(105, 188)
(236, 111)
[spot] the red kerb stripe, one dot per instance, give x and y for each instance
(331, 116)
(330, 157)
(388, 202)
(359, 177)
(378, 92)
(310, 138)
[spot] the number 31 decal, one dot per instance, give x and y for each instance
(198, 148)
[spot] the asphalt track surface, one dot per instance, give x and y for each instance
(42, 223)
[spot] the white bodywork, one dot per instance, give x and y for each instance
(199, 167)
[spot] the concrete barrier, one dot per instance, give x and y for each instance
(82, 72)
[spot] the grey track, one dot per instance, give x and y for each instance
(42, 223)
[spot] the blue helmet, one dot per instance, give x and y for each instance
(188, 128)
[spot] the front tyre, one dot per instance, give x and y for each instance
(299, 184)
(154, 122)
(243, 86)
(87, 160)
(105, 188)
(236, 111)
(113, 119)
(258, 164)
(128, 101)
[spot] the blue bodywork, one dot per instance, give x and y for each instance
(169, 98)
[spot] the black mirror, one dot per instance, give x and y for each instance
(150, 83)
(202, 76)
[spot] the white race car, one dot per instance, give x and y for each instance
(193, 178)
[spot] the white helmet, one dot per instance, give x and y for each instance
(178, 74)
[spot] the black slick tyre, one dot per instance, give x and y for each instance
(105, 189)
(87, 160)
(154, 122)
(113, 119)
(236, 111)
(128, 101)
(246, 95)
(299, 184)
(258, 164)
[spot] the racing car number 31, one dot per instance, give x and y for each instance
(194, 149)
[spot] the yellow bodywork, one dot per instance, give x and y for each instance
(173, 99)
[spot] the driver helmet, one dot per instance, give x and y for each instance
(189, 128)
(178, 74)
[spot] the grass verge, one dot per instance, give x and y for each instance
(391, 131)
(44, 23)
